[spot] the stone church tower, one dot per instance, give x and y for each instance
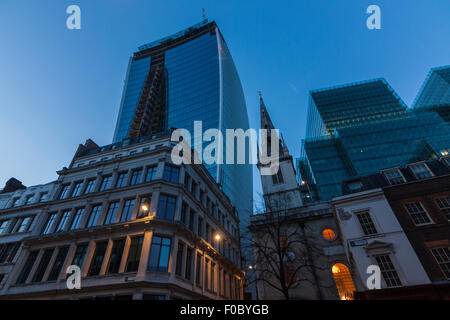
(281, 190)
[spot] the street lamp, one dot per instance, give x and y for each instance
(218, 237)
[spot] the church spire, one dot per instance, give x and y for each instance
(266, 122)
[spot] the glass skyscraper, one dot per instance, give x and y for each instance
(362, 128)
(186, 77)
(435, 89)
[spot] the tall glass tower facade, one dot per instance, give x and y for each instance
(186, 77)
(362, 128)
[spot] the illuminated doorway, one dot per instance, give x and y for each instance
(344, 281)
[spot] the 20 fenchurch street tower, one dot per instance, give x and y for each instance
(186, 77)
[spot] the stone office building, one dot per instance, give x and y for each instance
(138, 226)
(19, 208)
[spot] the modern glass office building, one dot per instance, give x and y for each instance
(363, 128)
(435, 89)
(186, 77)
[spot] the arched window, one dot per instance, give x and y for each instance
(344, 281)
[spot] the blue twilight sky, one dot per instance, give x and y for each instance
(59, 87)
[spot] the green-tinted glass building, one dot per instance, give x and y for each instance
(362, 128)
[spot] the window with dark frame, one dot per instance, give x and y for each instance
(58, 264)
(180, 256)
(63, 221)
(189, 261)
(97, 260)
(159, 254)
(366, 223)
(50, 222)
(116, 256)
(27, 267)
(151, 173)
(77, 219)
(166, 207)
(80, 254)
(42, 266)
(135, 177)
(112, 212)
(127, 210)
(134, 254)
(171, 173)
(106, 180)
(388, 271)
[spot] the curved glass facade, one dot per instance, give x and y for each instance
(201, 83)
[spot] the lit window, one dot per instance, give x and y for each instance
(344, 282)
(442, 256)
(394, 176)
(328, 234)
(388, 271)
(421, 171)
(418, 213)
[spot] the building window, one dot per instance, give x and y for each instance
(444, 205)
(442, 256)
(394, 176)
(180, 256)
(198, 270)
(144, 207)
(200, 227)
(151, 174)
(43, 264)
(29, 199)
(354, 185)
(25, 224)
(171, 173)
(213, 277)
(43, 197)
(77, 189)
(89, 186)
(207, 274)
(121, 180)
(93, 217)
(4, 226)
(366, 222)
(134, 254)
(166, 207)
(328, 234)
(344, 282)
(58, 264)
(15, 202)
(159, 254)
(418, 213)
(421, 171)
(97, 260)
(80, 254)
(50, 221)
(77, 219)
(191, 220)
(8, 252)
(112, 212)
(63, 222)
(64, 192)
(183, 213)
(277, 178)
(127, 210)
(27, 267)
(136, 177)
(388, 271)
(189, 260)
(116, 256)
(105, 183)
